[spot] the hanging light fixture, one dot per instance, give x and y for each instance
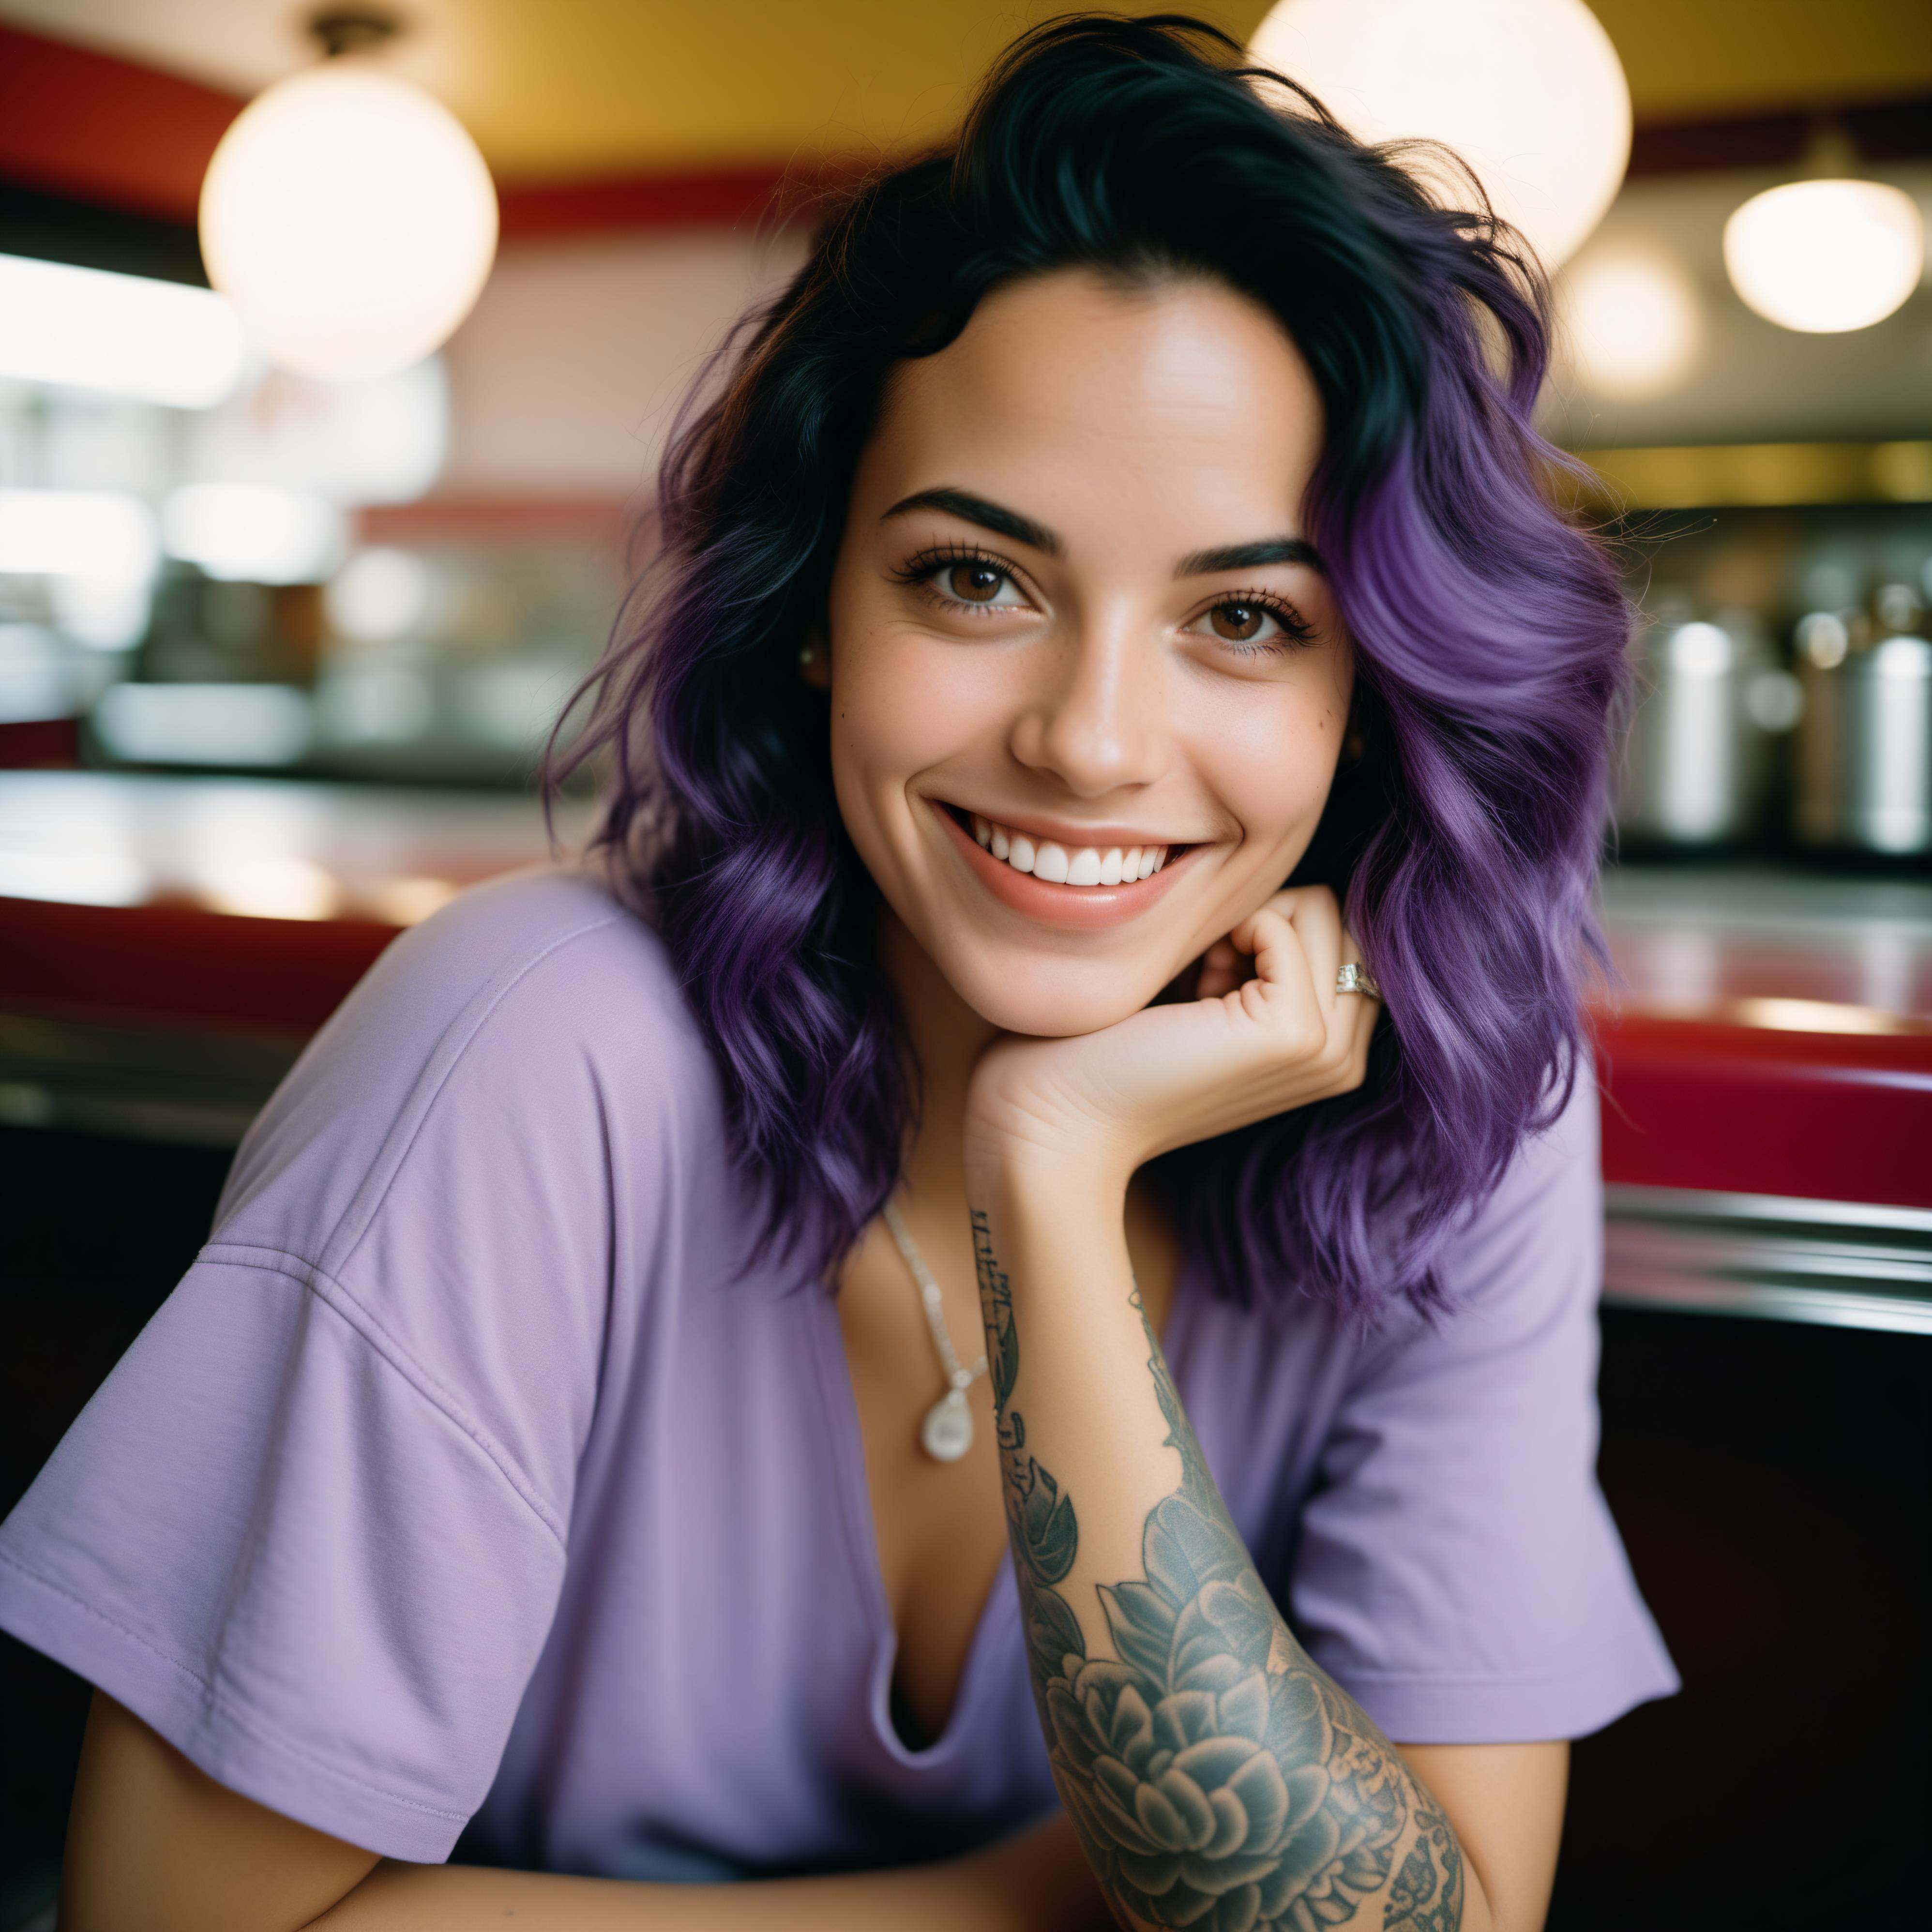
(1529, 93)
(1634, 322)
(1828, 253)
(347, 215)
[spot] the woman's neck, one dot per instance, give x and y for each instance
(946, 1037)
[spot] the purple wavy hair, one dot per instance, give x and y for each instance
(1489, 634)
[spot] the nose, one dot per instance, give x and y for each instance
(1094, 719)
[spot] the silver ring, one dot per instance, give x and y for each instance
(1350, 978)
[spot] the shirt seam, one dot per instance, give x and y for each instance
(476, 1023)
(364, 1321)
(231, 1708)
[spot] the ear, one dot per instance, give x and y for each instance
(815, 660)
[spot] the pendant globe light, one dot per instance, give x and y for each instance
(1529, 93)
(346, 215)
(1828, 254)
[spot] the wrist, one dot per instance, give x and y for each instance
(1024, 1175)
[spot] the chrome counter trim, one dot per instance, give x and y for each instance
(145, 1083)
(1835, 1263)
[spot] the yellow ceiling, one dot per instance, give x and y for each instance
(553, 88)
(570, 86)
(1690, 57)
(573, 85)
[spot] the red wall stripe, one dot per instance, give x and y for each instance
(98, 128)
(721, 199)
(101, 129)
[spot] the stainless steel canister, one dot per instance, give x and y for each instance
(1711, 697)
(1865, 750)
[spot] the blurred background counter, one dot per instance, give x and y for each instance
(168, 944)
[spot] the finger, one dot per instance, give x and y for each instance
(1317, 921)
(1351, 955)
(1368, 1011)
(1360, 1011)
(1282, 992)
(1220, 971)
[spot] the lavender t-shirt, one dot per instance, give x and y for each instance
(464, 1483)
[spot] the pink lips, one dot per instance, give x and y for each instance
(1080, 908)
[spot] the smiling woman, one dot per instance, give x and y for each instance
(1216, 266)
(1118, 554)
(1123, 679)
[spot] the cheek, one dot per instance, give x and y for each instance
(1272, 758)
(904, 703)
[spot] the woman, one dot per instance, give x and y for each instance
(1118, 517)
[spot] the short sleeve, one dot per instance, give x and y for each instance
(1458, 1571)
(313, 1528)
(316, 1583)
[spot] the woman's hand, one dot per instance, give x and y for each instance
(1247, 1048)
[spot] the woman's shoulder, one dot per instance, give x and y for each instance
(562, 926)
(522, 1033)
(1534, 1245)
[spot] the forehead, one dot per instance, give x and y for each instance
(1175, 385)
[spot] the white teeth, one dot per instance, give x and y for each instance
(1085, 865)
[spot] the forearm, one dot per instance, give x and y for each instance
(155, 1845)
(1036, 1882)
(1215, 1775)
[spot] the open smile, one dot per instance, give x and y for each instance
(1068, 865)
(1059, 881)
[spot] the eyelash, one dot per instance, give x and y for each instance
(921, 570)
(1296, 628)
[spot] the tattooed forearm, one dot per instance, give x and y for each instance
(1217, 1778)
(1427, 1893)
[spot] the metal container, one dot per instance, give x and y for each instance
(1864, 748)
(1712, 697)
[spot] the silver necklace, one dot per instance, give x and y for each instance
(947, 1433)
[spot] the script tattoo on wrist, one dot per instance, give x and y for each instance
(1216, 1778)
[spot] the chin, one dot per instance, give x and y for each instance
(1050, 999)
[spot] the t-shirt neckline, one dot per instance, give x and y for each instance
(998, 1615)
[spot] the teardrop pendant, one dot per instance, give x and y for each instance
(947, 1433)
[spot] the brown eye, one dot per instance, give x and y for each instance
(1239, 623)
(973, 583)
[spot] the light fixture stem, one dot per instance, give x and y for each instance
(352, 30)
(1830, 153)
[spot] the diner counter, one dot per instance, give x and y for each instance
(1765, 1044)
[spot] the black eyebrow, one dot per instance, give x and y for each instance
(989, 516)
(1252, 556)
